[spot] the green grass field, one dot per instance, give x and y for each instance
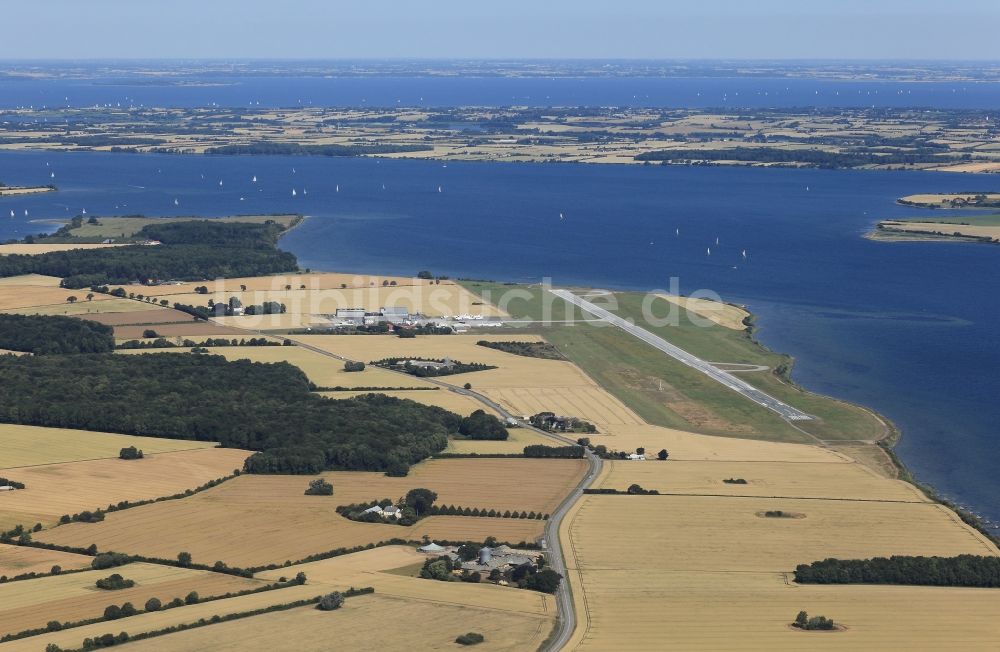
(127, 227)
(665, 392)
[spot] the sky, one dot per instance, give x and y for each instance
(504, 29)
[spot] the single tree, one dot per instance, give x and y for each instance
(331, 601)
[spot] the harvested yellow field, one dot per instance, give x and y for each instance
(82, 308)
(278, 523)
(361, 624)
(31, 249)
(684, 445)
(33, 445)
(515, 443)
(834, 479)
(944, 199)
(323, 294)
(590, 403)
(702, 531)
(17, 560)
(716, 611)
(73, 638)
(32, 603)
(17, 297)
(23, 190)
(521, 384)
(970, 230)
(723, 314)
(322, 370)
(56, 489)
(718, 573)
(442, 398)
(31, 279)
(368, 568)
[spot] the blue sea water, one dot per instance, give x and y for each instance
(908, 329)
(681, 92)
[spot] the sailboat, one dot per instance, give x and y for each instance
(744, 253)
(12, 214)
(293, 170)
(337, 188)
(26, 212)
(716, 241)
(176, 203)
(293, 192)
(254, 180)
(708, 252)
(220, 183)
(84, 211)
(439, 189)
(52, 175)
(383, 186)
(561, 216)
(304, 191)
(677, 231)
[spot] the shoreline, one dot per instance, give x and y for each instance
(885, 444)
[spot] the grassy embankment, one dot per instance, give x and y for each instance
(667, 393)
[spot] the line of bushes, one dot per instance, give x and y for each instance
(164, 343)
(454, 510)
(633, 490)
(116, 612)
(541, 450)
(374, 390)
(110, 640)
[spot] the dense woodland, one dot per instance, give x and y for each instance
(242, 404)
(194, 250)
(809, 157)
(56, 334)
(527, 349)
(963, 570)
(295, 149)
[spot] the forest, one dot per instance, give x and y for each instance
(40, 334)
(267, 408)
(195, 250)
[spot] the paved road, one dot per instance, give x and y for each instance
(566, 613)
(724, 377)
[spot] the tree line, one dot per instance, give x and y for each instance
(296, 149)
(963, 570)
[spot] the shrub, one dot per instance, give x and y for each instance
(184, 558)
(331, 601)
(149, 333)
(480, 425)
(319, 487)
(114, 582)
(191, 598)
(153, 604)
(472, 638)
(130, 453)
(803, 621)
(350, 365)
